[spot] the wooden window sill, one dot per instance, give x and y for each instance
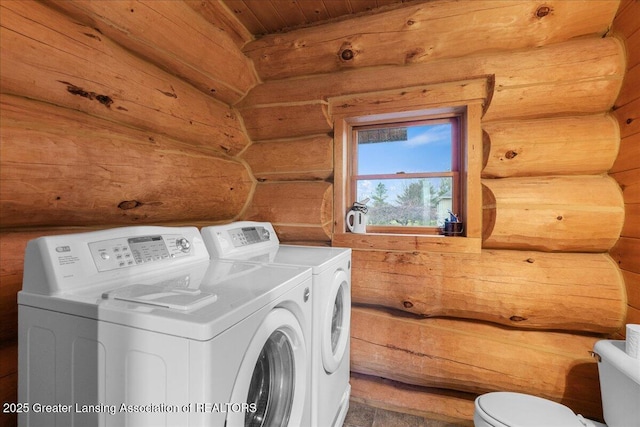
(408, 242)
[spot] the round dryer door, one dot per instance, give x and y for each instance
(272, 377)
(336, 322)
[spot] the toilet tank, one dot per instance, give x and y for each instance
(619, 384)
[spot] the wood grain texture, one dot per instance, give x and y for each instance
(306, 158)
(582, 213)
(61, 167)
(294, 208)
(157, 30)
(522, 289)
(582, 145)
(286, 120)
(46, 56)
(476, 358)
(426, 32)
(445, 405)
(222, 17)
(587, 59)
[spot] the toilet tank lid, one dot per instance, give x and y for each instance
(523, 410)
(614, 352)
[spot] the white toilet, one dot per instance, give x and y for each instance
(620, 389)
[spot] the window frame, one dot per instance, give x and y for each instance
(455, 120)
(469, 99)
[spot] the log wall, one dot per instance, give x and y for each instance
(626, 169)
(112, 116)
(140, 129)
(450, 326)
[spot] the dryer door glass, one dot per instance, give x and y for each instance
(336, 322)
(336, 319)
(272, 384)
(272, 378)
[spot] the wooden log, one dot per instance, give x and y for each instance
(445, 405)
(628, 155)
(12, 247)
(571, 214)
(48, 57)
(442, 95)
(571, 98)
(62, 167)
(220, 16)
(631, 226)
(287, 121)
(171, 35)
(9, 393)
(476, 357)
(573, 78)
(632, 282)
(585, 145)
(305, 159)
(628, 116)
(626, 25)
(586, 59)
(629, 181)
(533, 290)
(426, 32)
(298, 210)
(626, 252)
(629, 91)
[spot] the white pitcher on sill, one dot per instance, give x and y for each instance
(357, 217)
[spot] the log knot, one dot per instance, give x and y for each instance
(407, 304)
(510, 154)
(129, 204)
(76, 90)
(347, 55)
(543, 11)
(416, 54)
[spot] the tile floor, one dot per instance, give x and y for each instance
(362, 415)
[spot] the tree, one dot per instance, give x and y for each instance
(411, 204)
(379, 195)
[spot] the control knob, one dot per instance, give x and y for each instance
(183, 244)
(265, 234)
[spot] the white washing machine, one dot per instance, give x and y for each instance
(331, 267)
(137, 327)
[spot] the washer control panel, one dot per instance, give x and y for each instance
(126, 252)
(65, 263)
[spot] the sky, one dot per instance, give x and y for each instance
(428, 148)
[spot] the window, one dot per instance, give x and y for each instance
(409, 172)
(378, 155)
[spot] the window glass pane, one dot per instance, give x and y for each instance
(407, 202)
(420, 148)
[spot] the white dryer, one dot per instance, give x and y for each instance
(331, 267)
(136, 326)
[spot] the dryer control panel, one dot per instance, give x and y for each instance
(56, 264)
(229, 240)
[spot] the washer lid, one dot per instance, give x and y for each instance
(161, 296)
(523, 410)
(196, 303)
(317, 257)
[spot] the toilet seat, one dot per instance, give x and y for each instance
(507, 409)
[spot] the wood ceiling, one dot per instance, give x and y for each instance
(262, 17)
